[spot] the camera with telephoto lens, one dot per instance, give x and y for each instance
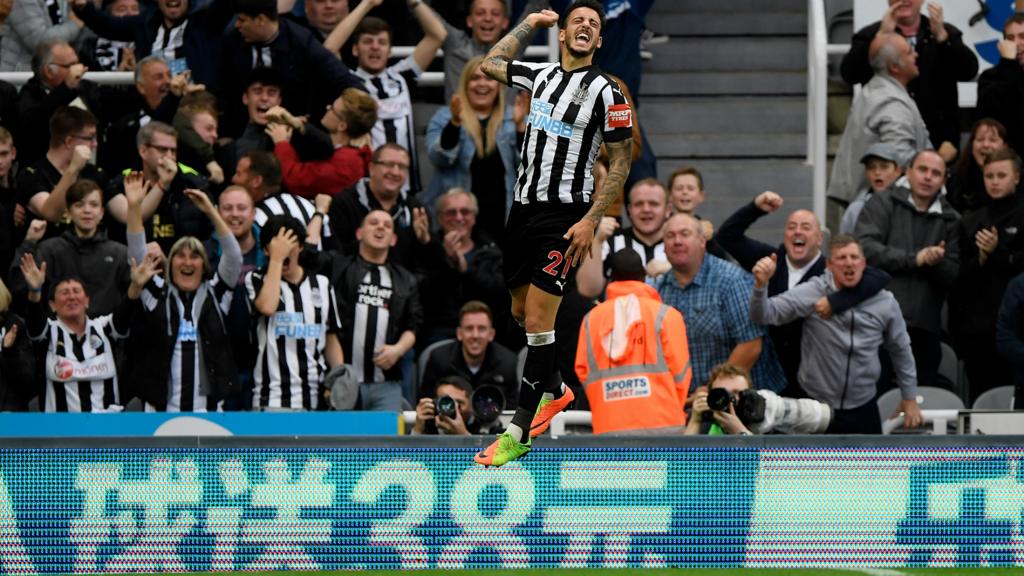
(446, 406)
(748, 403)
(764, 411)
(488, 402)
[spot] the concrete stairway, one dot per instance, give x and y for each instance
(727, 94)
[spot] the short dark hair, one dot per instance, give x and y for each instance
(504, 5)
(686, 171)
(254, 8)
(476, 307)
(389, 146)
(1017, 18)
(52, 292)
(266, 165)
(79, 190)
(457, 381)
(275, 223)
(647, 182)
(842, 241)
(592, 4)
(67, 121)
(913, 161)
(1004, 154)
(372, 25)
(266, 76)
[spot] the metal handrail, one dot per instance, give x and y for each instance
(937, 417)
(549, 52)
(818, 51)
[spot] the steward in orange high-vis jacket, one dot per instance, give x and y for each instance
(632, 358)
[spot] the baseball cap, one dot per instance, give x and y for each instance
(882, 150)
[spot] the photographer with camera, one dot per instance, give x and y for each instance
(714, 405)
(730, 405)
(455, 407)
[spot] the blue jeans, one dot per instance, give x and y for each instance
(381, 396)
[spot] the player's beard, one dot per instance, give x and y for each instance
(578, 54)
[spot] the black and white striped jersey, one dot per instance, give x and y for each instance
(625, 238)
(170, 44)
(290, 362)
(571, 114)
(184, 392)
(291, 204)
(394, 111)
(370, 322)
(81, 374)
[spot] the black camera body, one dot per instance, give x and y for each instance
(749, 405)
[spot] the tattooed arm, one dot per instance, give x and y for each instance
(495, 64)
(581, 235)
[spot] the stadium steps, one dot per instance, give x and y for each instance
(727, 94)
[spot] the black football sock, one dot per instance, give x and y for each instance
(537, 372)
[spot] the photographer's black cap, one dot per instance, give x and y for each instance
(626, 265)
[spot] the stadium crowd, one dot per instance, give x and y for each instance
(247, 227)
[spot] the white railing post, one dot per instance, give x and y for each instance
(818, 51)
(817, 94)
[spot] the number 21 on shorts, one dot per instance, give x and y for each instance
(557, 258)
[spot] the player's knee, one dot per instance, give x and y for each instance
(519, 314)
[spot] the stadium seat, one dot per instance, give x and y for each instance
(421, 362)
(928, 398)
(951, 372)
(998, 398)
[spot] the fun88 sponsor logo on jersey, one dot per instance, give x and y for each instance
(540, 118)
(625, 388)
(292, 325)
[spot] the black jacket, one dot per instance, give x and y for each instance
(498, 369)
(941, 66)
(119, 150)
(405, 311)
(980, 288)
(447, 289)
(35, 107)
(202, 39)
(16, 366)
(152, 346)
(350, 207)
(313, 77)
(1010, 335)
(176, 216)
(1000, 93)
(102, 264)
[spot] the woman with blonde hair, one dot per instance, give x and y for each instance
(16, 361)
(472, 144)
